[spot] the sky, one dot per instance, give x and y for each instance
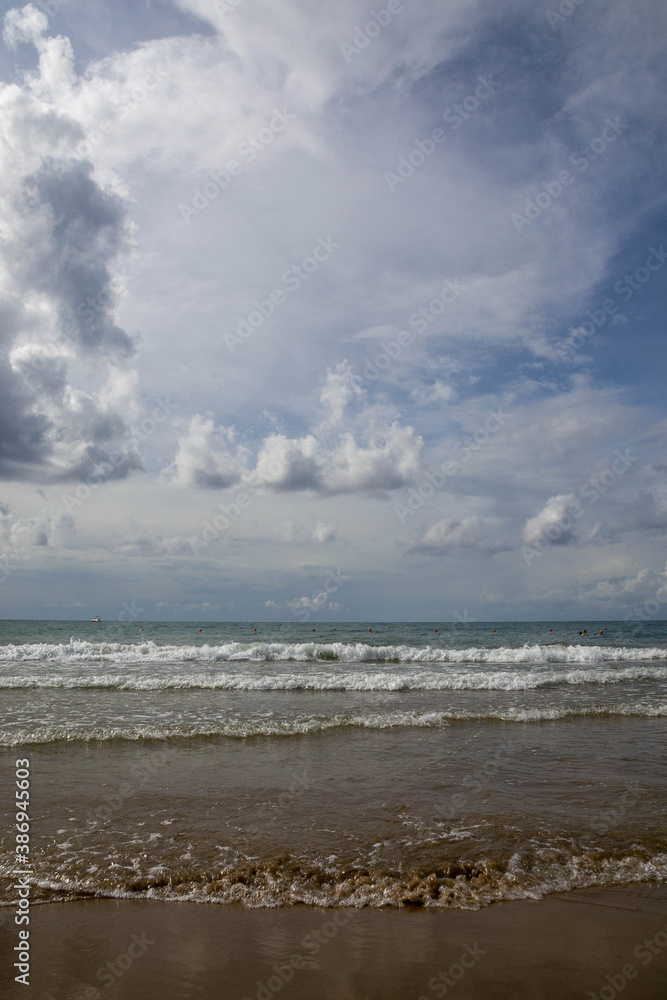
(333, 311)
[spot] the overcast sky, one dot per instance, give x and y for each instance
(333, 311)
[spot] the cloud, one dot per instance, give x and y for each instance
(647, 585)
(98, 155)
(339, 389)
(143, 541)
(438, 392)
(287, 464)
(390, 460)
(318, 602)
(649, 510)
(206, 607)
(207, 457)
(554, 524)
(49, 530)
(330, 459)
(63, 235)
(324, 533)
(471, 533)
(78, 230)
(25, 25)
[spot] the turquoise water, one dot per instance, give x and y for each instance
(398, 633)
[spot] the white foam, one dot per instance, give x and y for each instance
(314, 724)
(78, 651)
(153, 677)
(540, 877)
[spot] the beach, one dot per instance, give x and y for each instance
(333, 642)
(568, 945)
(349, 812)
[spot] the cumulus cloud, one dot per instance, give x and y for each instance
(375, 455)
(207, 456)
(339, 389)
(205, 606)
(390, 459)
(437, 392)
(49, 530)
(24, 25)
(438, 256)
(143, 541)
(289, 463)
(63, 237)
(647, 585)
(554, 525)
(324, 533)
(649, 510)
(318, 602)
(475, 533)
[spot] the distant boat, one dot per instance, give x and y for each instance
(96, 619)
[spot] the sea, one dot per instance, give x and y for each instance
(335, 764)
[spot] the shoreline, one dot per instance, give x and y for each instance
(586, 941)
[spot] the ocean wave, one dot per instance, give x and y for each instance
(314, 724)
(316, 679)
(285, 882)
(78, 651)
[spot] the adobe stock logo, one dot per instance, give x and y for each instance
(247, 152)
(462, 451)
(454, 116)
(363, 37)
(565, 10)
(625, 288)
(581, 158)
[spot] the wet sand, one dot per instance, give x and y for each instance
(589, 942)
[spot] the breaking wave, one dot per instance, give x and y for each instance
(464, 884)
(78, 651)
(445, 679)
(315, 724)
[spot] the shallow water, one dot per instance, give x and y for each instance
(401, 766)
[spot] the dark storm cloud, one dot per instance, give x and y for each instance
(68, 233)
(88, 230)
(22, 433)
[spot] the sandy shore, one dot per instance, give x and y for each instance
(590, 942)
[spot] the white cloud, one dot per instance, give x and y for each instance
(324, 533)
(391, 460)
(438, 392)
(64, 234)
(289, 464)
(207, 456)
(646, 585)
(331, 459)
(339, 389)
(109, 299)
(474, 533)
(142, 541)
(554, 524)
(24, 25)
(319, 602)
(52, 530)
